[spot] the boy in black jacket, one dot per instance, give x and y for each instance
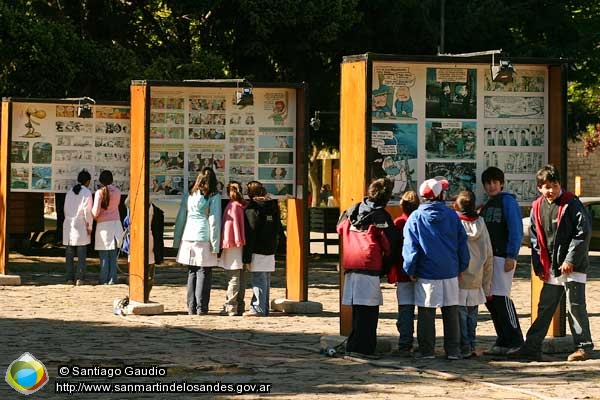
(262, 227)
(560, 240)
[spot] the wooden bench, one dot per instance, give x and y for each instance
(323, 220)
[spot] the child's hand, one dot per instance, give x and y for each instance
(509, 264)
(566, 268)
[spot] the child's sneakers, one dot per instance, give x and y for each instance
(579, 355)
(467, 352)
(403, 352)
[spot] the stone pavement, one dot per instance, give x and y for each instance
(61, 325)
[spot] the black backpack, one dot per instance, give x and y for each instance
(157, 227)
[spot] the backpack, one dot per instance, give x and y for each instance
(157, 227)
(125, 239)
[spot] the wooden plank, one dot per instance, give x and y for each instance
(4, 183)
(295, 272)
(139, 196)
(353, 150)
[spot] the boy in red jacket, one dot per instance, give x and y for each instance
(369, 244)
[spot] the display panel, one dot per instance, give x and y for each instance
(453, 121)
(195, 127)
(50, 144)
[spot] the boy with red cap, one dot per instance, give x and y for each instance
(435, 253)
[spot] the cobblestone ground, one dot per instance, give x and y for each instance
(62, 324)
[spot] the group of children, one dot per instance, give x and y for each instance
(242, 237)
(458, 259)
(81, 209)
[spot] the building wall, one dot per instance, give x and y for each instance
(588, 167)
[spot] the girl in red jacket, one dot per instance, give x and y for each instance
(405, 288)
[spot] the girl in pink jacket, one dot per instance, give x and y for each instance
(232, 242)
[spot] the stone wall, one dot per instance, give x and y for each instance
(588, 167)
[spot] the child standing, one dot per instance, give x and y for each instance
(200, 240)
(368, 238)
(405, 287)
(233, 240)
(435, 252)
(262, 228)
(77, 227)
(560, 239)
(109, 230)
(503, 219)
(474, 283)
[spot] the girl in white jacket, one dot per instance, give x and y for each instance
(77, 227)
(474, 283)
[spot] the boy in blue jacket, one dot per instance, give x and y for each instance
(502, 217)
(435, 253)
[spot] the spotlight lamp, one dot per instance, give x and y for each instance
(243, 95)
(503, 72)
(84, 107)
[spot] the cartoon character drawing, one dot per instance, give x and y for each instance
(29, 124)
(404, 103)
(524, 141)
(445, 99)
(399, 172)
(382, 99)
(280, 112)
(462, 93)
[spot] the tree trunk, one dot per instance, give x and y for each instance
(313, 177)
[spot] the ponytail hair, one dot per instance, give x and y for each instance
(82, 178)
(106, 178)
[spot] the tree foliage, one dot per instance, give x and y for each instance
(68, 48)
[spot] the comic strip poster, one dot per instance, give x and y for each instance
(515, 135)
(529, 107)
(206, 127)
(393, 154)
(524, 81)
(391, 96)
(451, 139)
(51, 144)
(514, 162)
(460, 176)
(451, 93)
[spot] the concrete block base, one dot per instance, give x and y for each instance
(384, 345)
(331, 342)
(296, 307)
(10, 280)
(151, 308)
(554, 345)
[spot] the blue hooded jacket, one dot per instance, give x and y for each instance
(435, 242)
(502, 217)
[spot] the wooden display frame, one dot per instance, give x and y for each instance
(360, 113)
(141, 110)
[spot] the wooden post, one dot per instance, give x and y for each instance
(4, 184)
(353, 150)
(296, 271)
(138, 193)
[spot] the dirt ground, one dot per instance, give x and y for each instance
(74, 326)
